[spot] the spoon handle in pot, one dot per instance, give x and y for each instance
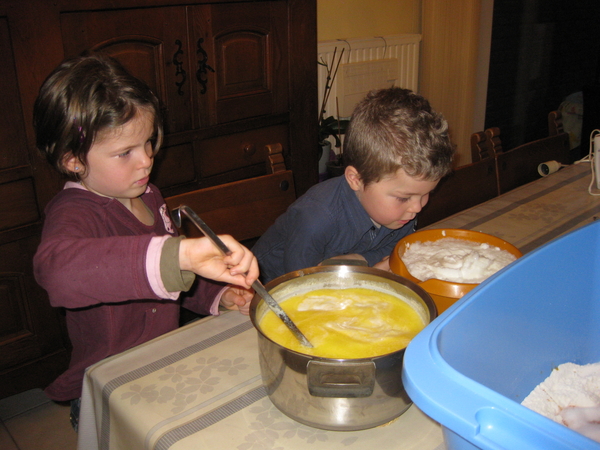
(279, 312)
(257, 285)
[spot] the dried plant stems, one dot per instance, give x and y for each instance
(331, 74)
(337, 112)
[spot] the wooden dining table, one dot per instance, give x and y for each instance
(535, 213)
(199, 387)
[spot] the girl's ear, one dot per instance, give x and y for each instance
(353, 178)
(72, 163)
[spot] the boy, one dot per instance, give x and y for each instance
(397, 149)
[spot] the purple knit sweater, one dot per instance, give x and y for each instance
(102, 265)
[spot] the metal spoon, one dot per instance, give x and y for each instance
(257, 285)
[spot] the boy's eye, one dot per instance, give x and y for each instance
(402, 199)
(124, 154)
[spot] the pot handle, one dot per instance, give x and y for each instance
(346, 379)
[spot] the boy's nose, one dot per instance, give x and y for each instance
(416, 206)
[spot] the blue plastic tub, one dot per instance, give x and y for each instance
(472, 367)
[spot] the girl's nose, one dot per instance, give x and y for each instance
(147, 157)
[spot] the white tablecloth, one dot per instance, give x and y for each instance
(199, 387)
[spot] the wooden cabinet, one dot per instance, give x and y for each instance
(211, 65)
(232, 76)
(31, 332)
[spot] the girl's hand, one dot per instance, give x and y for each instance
(201, 256)
(237, 298)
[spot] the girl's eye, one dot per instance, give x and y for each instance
(124, 154)
(402, 199)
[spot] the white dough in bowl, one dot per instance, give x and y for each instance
(455, 260)
(570, 396)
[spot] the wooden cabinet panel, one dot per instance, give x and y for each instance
(19, 204)
(150, 42)
(21, 322)
(234, 68)
(237, 54)
(245, 48)
(15, 323)
(32, 344)
(12, 131)
(237, 71)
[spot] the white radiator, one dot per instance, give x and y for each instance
(368, 64)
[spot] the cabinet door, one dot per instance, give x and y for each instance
(150, 42)
(241, 60)
(33, 343)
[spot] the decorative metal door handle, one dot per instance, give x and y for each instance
(203, 67)
(179, 70)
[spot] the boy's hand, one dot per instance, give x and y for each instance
(384, 264)
(350, 256)
(237, 298)
(201, 256)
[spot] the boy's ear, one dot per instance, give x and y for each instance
(353, 178)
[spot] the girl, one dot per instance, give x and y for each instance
(109, 253)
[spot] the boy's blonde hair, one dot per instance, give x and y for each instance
(395, 129)
(83, 97)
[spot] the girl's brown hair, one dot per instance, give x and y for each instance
(395, 129)
(83, 97)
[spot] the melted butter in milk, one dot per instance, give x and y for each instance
(345, 323)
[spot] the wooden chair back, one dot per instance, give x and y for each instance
(243, 209)
(481, 147)
(464, 188)
(519, 165)
(493, 141)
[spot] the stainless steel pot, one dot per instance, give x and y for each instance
(336, 394)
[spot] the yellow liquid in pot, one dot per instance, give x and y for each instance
(345, 323)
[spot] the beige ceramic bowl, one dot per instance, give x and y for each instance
(444, 293)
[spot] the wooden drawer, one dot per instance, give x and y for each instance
(236, 151)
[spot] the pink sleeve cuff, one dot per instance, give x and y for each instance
(214, 308)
